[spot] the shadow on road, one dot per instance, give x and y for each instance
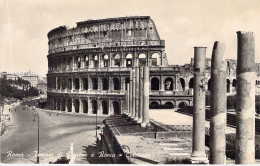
(92, 152)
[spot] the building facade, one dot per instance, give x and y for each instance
(33, 79)
(88, 67)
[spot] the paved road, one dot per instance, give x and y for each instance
(56, 134)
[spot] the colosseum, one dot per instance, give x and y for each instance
(89, 65)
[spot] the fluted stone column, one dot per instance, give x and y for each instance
(136, 93)
(218, 105)
(141, 92)
(198, 141)
(245, 109)
(145, 121)
(133, 91)
(130, 92)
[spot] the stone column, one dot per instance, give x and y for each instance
(145, 121)
(66, 106)
(72, 84)
(218, 105)
(89, 106)
(72, 106)
(136, 93)
(161, 84)
(80, 106)
(130, 92)
(141, 92)
(128, 104)
(73, 63)
(133, 91)
(245, 109)
(198, 141)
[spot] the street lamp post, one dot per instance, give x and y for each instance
(96, 123)
(36, 115)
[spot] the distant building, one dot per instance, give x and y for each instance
(9, 76)
(42, 86)
(33, 79)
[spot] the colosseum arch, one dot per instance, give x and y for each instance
(94, 83)
(78, 62)
(69, 83)
(182, 104)
(76, 83)
(117, 60)
(169, 83)
(85, 106)
(58, 104)
(142, 60)
(69, 105)
(105, 84)
(94, 106)
(169, 105)
(96, 61)
(191, 83)
(155, 83)
(76, 105)
(156, 60)
(154, 105)
(105, 107)
(85, 83)
(234, 83)
(116, 83)
(86, 61)
(116, 107)
(63, 102)
(182, 83)
(58, 87)
(105, 60)
(129, 60)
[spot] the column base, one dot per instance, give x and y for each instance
(139, 121)
(199, 158)
(145, 124)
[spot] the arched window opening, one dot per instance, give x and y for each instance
(105, 84)
(78, 63)
(76, 105)
(168, 84)
(182, 105)
(142, 60)
(168, 105)
(155, 83)
(69, 105)
(182, 83)
(94, 83)
(86, 61)
(234, 83)
(117, 60)
(191, 83)
(104, 107)
(116, 83)
(154, 105)
(156, 61)
(85, 106)
(96, 61)
(116, 107)
(69, 83)
(85, 83)
(105, 57)
(94, 106)
(129, 60)
(76, 83)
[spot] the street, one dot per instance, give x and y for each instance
(57, 131)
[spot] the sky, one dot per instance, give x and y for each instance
(183, 24)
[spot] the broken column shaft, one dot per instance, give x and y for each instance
(218, 105)
(136, 93)
(198, 141)
(245, 109)
(130, 93)
(141, 92)
(145, 121)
